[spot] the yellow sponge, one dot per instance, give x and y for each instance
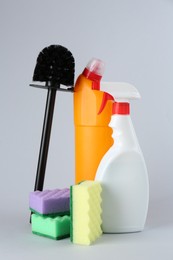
(85, 209)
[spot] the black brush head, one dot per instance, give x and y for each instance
(55, 65)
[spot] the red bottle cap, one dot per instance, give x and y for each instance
(121, 108)
(94, 71)
(91, 75)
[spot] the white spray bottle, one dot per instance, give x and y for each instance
(122, 171)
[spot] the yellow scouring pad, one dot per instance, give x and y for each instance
(85, 211)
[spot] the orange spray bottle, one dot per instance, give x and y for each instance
(92, 114)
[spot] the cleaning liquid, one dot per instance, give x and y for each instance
(122, 171)
(92, 114)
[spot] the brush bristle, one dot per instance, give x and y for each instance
(55, 64)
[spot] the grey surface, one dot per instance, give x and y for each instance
(135, 40)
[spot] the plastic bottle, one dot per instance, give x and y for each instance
(92, 114)
(122, 171)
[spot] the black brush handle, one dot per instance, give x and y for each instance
(44, 146)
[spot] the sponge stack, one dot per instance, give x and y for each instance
(51, 210)
(85, 209)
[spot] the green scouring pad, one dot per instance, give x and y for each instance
(57, 227)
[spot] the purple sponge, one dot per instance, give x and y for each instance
(50, 201)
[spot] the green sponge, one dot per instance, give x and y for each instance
(85, 210)
(52, 227)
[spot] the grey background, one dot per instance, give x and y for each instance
(135, 39)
